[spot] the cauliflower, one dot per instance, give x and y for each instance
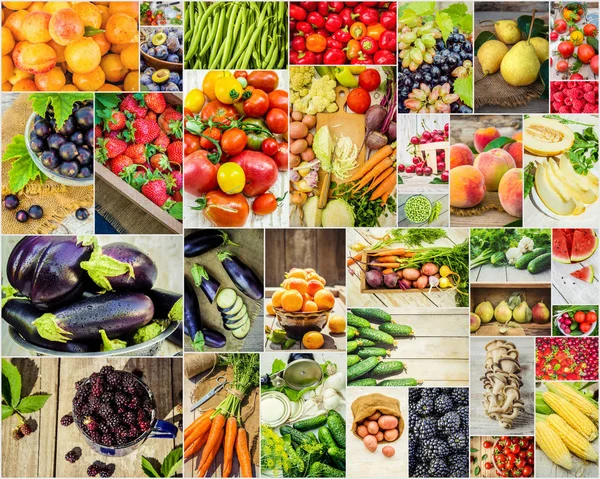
(320, 97)
(300, 78)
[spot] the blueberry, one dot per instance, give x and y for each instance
(22, 216)
(69, 169)
(36, 212)
(11, 202)
(37, 144)
(68, 151)
(85, 117)
(82, 214)
(41, 128)
(56, 140)
(67, 127)
(50, 159)
(77, 138)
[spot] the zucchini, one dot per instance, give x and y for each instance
(352, 359)
(373, 314)
(357, 322)
(395, 330)
(226, 299)
(376, 335)
(359, 343)
(311, 423)
(362, 368)
(363, 382)
(337, 426)
(296, 436)
(351, 332)
(539, 264)
(387, 367)
(524, 260)
(318, 469)
(498, 258)
(399, 382)
(365, 353)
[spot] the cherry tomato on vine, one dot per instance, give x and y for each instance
(213, 133)
(269, 146)
(257, 105)
(264, 204)
(191, 143)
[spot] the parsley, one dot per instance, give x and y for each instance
(366, 212)
(23, 169)
(411, 237)
(584, 152)
(529, 179)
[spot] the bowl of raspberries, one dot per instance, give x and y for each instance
(574, 97)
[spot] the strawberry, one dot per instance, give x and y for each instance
(145, 130)
(156, 102)
(130, 104)
(151, 116)
(160, 162)
(135, 151)
(112, 134)
(162, 141)
(177, 196)
(156, 190)
(178, 177)
(112, 147)
(97, 133)
(171, 122)
(117, 164)
(116, 121)
(175, 152)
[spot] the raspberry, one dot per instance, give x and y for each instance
(572, 84)
(558, 96)
(25, 429)
(556, 105)
(588, 87)
(589, 96)
(569, 92)
(71, 456)
(564, 109)
(558, 86)
(66, 420)
(588, 108)
(577, 106)
(569, 101)
(92, 470)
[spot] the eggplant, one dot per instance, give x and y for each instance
(193, 322)
(177, 336)
(47, 269)
(116, 313)
(201, 241)
(121, 267)
(242, 276)
(21, 313)
(164, 302)
(202, 279)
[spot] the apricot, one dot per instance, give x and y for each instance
(25, 84)
(310, 307)
(7, 68)
(130, 56)
(510, 192)
(270, 310)
(493, 164)
(298, 284)
(276, 298)
(8, 42)
(59, 50)
(6, 86)
(460, 154)
(35, 27)
(128, 8)
(66, 26)
(102, 42)
(52, 80)
(113, 68)
(297, 273)
(467, 186)
(18, 75)
(314, 286)
(483, 136)
(309, 270)
(35, 58)
(69, 87)
(89, 81)
(120, 28)
(14, 21)
(337, 324)
(105, 14)
(516, 151)
(53, 7)
(324, 299)
(291, 301)
(109, 87)
(83, 55)
(132, 81)
(36, 7)
(315, 276)
(89, 14)
(16, 5)
(518, 136)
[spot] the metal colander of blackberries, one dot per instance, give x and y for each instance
(63, 147)
(113, 408)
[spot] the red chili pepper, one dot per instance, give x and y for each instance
(316, 19)
(297, 12)
(387, 40)
(351, 4)
(372, 4)
(362, 59)
(375, 31)
(298, 43)
(342, 35)
(309, 6)
(333, 22)
(384, 57)
(306, 58)
(352, 49)
(369, 16)
(304, 27)
(369, 45)
(392, 7)
(336, 7)
(359, 8)
(358, 30)
(323, 8)
(293, 57)
(347, 16)
(334, 56)
(388, 20)
(332, 43)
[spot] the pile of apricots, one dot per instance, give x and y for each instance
(70, 46)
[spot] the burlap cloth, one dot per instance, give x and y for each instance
(366, 406)
(491, 201)
(493, 90)
(58, 201)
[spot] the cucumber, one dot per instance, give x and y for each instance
(313, 437)
(337, 453)
(311, 423)
(362, 368)
(385, 368)
(363, 382)
(325, 437)
(357, 322)
(498, 258)
(359, 343)
(524, 260)
(395, 330)
(373, 314)
(539, 264)
(399, 382)
(337, 426)
(352, 359)
(351, 332)
(242, 332)
(296, 436)
(318, 469)
(376, 335)
(365, 353)
(226, 299)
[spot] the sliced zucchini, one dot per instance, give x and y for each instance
(241, 333)
(235, 318)
(226, 299)
(235, 309)
(237, 324)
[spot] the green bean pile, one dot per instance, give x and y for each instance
(235, 35)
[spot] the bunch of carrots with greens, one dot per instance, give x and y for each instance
(380, 172)
(222, 426)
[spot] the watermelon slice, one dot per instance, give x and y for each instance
(561, 250)
(585, 243)
(584, 274)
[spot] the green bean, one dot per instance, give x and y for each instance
(199, 28)
(263, 41)
(210, 39)
(217, 42)
(241, 48)
(250, 48)
(272, 56)
(229, 36)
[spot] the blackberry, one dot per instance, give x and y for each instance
(430, 393)
(129, 418)
(134, 402)
(420, 471)
(105, 370)
(25, 429)
(121, 400)
(458, 465)
(79, 383)
(95, 436)
(121, 440)
(105, 428)
(438, 468)
(107, 439)
(92, 470)
(137, 373)
(106, 472)
(121, 430)
(133, 432)
(91, 424)
(458, 441)
(71, 456)
(449, 422)
(460, 396)
(17, 434)
(105, 410)
(113, 421)
(66, 420)
(432, 448)
(443, 404)
(427, 428)
(425, 406)
(97, 387)
(463, 412)
(144, 425)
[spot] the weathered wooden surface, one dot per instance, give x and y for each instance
(42, 454)
(440, 222)
(507, 274)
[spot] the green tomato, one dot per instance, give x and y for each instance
(255, 139)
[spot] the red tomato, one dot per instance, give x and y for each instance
(579, 316)
(585, 53)
(488, 465)
(527, 471)
(369, 79)
(487, 444)
(265, 80)
(277, 120)
(585, 327)
(233, 141)
(264, 204)
(219, 112)
(359, 100)
(240, 74)
(199, 174)
(279, 99)
(281, 156)
(191, 143)
(269, 146)
(591, 317)
(257, 105)
(225, 211)
(213, 133)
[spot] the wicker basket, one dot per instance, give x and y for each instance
(298, 324)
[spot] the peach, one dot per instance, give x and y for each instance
(6, 86)
(493, 164)
(120, 28)
(105, 14)
(110, 87)
(14, 21)
(314, 286)
(518, 136)
(309, 307)
(83, 55)
(18, 75)
(25, 84)
(35, 27)
(132, 81)
(69, 88)
(8, 42)
(53, 80)
(89, 14)
(324, 299)
(276, 298)
(16, 5)
(89, 81)
(128, 8)
(467, 186)
(59, 50)
(66, 26)
(36, 7)
(460, 154)
(34, 57)
(516, 151)
(483, 136)
(510, 192)
(130, 56)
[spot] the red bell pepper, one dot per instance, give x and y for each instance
(347, 16)
(332, 43)
(351, 4)
(334, 56)
(293, 57)
(309, 6)
(362, 59)
(306, 58)
(387, 40)
(292, 25)
(342, 35)
(384, 57)
(369, 16)
(333, 23)
(358, 30)
(360, 8)
(371, 4)
(388, 20)
(392, 7)
(336, 7)
(319, 58)
(369, 45)
(304, 27)
(322, 31)
(298, 43)
(316, 19)
(323, 8)
(297, 12)
(352, 49)
(375, 31)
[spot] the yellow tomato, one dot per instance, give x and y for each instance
(228, 90)
(210, 81)
(194, 100)
(231, 178)
(577, 37)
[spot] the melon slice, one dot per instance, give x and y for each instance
(555, 200)
(561, 250)
(571, 190)
(546, 137)
(585, 243)
(584, 274)
(586, 184)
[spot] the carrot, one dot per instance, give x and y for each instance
(386, 265)
(388, 252)
(380, 178)
(383, 187)
(203, 427)
(354, 259)
(376, 157)
(243, 453)
(196, 445)
(216, 427)
(386, 195)
(202, 470)
(409, 254)
(230, 437)
(373, 173)
(387, 259)
(196, 421)
(387, 271)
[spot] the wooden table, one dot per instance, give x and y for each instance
(480, 423)
(363, 463)
(507, 274)
(483, 455)
(396, 298)
(441, 221)
(569, 290)
(42, 454)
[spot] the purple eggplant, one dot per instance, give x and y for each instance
(177, 336)
(117, 313)
(21, 313)
(163, 303)
(193, 322)
(201, 241)
(46, 269)
(208, 285)
(121, 267)
(242, 276)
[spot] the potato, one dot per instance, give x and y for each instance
(379, 436)
(390, 434)
(310, 121)
(373, 427)
(294, 160)
(298, 130)
(387, 422)
(298, 146)
(410, 274)
(308, 154)
(388, 451)
(362, 431)
(297, 115)
(309, 139)
(370, 443)
(374, 416)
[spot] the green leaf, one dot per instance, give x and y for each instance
(33, 403)
(456, 12)
(514, 224)
(172, 462)
(481, 39)
(474, 450)
(62, 103)
(498, 143)
(422, 8)
(176, 211)
(438, 181)
(463, 87)
(278, 365)
(39, 103)
(15, 149)
(22, 172)
(593, 41)
(466, 24)
(477, 470)
(484, 457)
(11, 374)
(148, 468)
(444, 23)
(111, 345)
(7, 411)
(544, 76)
(198, 342)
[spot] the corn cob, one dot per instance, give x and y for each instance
(574, 441)
(573, 416)
(552, 445)
(575, 398)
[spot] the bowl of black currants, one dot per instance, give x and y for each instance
(64, 153)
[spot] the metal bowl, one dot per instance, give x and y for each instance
(148, 348)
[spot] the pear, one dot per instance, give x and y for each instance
(507, 31)
(542, 48)
(503, 313)
(522, 313)
(520, 66)
(475, 322)
(540, 313)
(485, 311)
(490, 55)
